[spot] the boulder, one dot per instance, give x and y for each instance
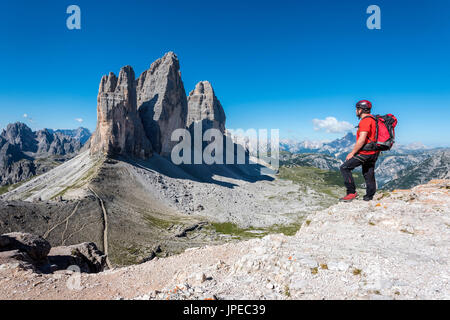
(4, 242)
(34, 252)
(36, 247)
(84, 255)
(16, 256)
(162, 102)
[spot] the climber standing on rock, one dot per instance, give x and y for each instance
(360, 157)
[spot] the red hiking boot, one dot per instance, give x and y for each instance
(349, 197)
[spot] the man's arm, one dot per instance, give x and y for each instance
(359, 144)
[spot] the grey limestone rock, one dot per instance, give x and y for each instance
(162, 102)
(119, 129)
(204, 106)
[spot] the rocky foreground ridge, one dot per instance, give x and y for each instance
(31, 252)
(395, 247)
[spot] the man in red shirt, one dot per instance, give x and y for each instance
(357, 157)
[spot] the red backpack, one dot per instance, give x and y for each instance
(385, 133)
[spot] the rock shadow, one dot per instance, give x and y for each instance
(248, 171)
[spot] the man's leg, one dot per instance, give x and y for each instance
(346, 170)
(368, 170)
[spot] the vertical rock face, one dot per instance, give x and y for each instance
(119, 129)
(136, 117)
(162, 102)
(204, 106)
(21, 135)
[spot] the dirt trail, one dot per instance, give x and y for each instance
(105, 226)
(65, 220)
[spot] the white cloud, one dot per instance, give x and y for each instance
(27, 116)
(332, 125)
(80, 120)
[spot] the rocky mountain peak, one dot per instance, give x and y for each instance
(125, 83)
(80, 134)
(162, 101)
(108, 83)
(349, 136)
(170, 60)
(155, 104)
(21, 135)
(119, 129)
(204, 106)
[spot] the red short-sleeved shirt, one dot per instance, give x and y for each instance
(367, 125)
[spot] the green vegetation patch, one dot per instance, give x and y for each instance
(247, 233)
(235, 230)
(357, 272)
(327, 183)
(11, 187)
(4, 189)
(125, 256)
(287, 292)
(311, 176)
(159, 223)
(288, 229)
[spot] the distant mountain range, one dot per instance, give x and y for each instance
(335, 148)
(81, 134)
(339, 148)
(433, 166)
(25, 153)
(316, 160)
(403, 167)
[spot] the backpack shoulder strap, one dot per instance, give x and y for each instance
(370, 115)
(375, 118)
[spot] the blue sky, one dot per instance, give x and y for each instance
(273, 64)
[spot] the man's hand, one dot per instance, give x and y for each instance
(359, 144)
(349, 156)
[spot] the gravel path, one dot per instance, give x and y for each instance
(105, 226)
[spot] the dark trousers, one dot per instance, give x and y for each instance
(368, 168)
